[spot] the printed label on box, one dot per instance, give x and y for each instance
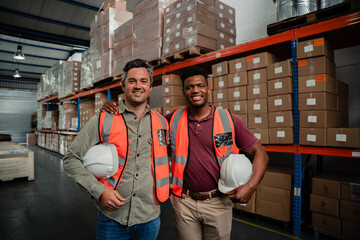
(278, 70)
(237, 94)
(256, 60)
(190, 40)
(279, 119)
(221, 7)
(249, 58)
(237, 107)
(189, 19)
(166, 90)
(222, 25)
(178, 5)
(311, 101)
(258, 120)
(221, 15)
(310, 83)
(219, 69)
(231, 21)
(179, 25)
(257, 135)
(312, 119)
(319, 42)
(168, 20)
(355, 191)
(256, 91)
(320, 78)
(257, 76)
(168, 30)
(341, 137)
(189, 8)
(238, 65)
(221, 83)
(220, 95)
(309, 48)
(177, 15)
(302, 62)
(311, 138)
(98, 64)
(278, 85)
(257, 106)
(232, 31)
(167, 100)
(236, 79)
(278, 102)
(177, 34)
(167, 39)
(177, 46)
(166, 50)
(280, 134)
(222, 35)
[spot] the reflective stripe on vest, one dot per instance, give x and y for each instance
(113, 129)
(223, 135)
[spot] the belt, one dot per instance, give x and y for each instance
(202, 195)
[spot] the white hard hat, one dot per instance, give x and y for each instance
(235, 171)
(102, 160)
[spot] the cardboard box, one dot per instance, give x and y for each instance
(237, 65)
(223, 105)
(220, 69)
(350, 210)
(220, 95)
(31, 139)
(318, 83)
(257, 91)
(261, 134)
(280, 86)
(257, 76)
(316, 66)
(171, 79)
(350, 190)
(260, 60)
(280, 103)
(277, 179)
(221, 82)
(237, 93)
(281, 135)
(237, 79)
(172, 90)
(281, 119)
(272, 194)
(350, 229)
(238, 107)
(279, 70)
(343, 137)
(317, 101)
(326, 223)
(258, 121)
(319, 119)
(313, 48)
(324, 205)
(171, 101)
(312, 136)
(326, 186)
(257, 106)
(274, 210)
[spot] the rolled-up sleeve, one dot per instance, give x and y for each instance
(73, 163)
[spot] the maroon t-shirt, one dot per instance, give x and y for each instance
(202, 171)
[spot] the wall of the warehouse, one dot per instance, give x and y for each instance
(16, 108)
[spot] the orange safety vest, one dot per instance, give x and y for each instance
(223, 142)
(113, 129)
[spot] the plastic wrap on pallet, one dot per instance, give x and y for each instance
(96, 53)
(193, 23)
(329, 3)
(41, 112)
(148, 28)
(62, 144)
(55, 142)
(123, 46)
(51, 120)
(292, 8)
(107, 64)
(87, 72)
(71, 77)
(67, 112)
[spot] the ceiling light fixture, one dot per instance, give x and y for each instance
(19, 54)
(16, 73)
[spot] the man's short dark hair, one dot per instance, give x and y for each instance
(137, 63)
(193, 71)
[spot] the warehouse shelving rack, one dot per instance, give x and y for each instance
(347, 27)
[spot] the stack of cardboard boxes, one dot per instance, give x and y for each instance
(173, 97)
(208, 24)
(100, 99)
(87, 111)
(102, 37)
(148, 28)
(68, 116)
(70, 81)
(123, 46)
(335, 205)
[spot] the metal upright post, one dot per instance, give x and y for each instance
(108, 94)
(78, 114)
(297, 157)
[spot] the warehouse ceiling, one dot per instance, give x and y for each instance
(47, 30)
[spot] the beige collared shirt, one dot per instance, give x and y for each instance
(136, 185)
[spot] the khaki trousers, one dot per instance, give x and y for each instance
(208, 220)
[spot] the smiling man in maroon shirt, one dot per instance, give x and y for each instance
(200, 210)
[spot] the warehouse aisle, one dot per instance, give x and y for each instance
(53, 207)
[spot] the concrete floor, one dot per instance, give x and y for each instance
(54, 207)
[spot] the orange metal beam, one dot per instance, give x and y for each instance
(58, 132)
(337, 152)
(92, 91)
(49, 99)
(281, 148)
(329, 25)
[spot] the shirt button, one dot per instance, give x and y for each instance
(138, 155)
(198, 125)
(139, 136)
(136, 175)
(134, 195)
(135, 118)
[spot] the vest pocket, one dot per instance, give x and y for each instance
(162, 136)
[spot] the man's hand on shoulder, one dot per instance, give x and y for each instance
(109, 106)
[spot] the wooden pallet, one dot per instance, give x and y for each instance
(185, 54)
(313, 17)
(103, 82)
(117, 77)
(156, 63)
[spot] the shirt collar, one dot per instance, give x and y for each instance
(210, 116)
(122, 107)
